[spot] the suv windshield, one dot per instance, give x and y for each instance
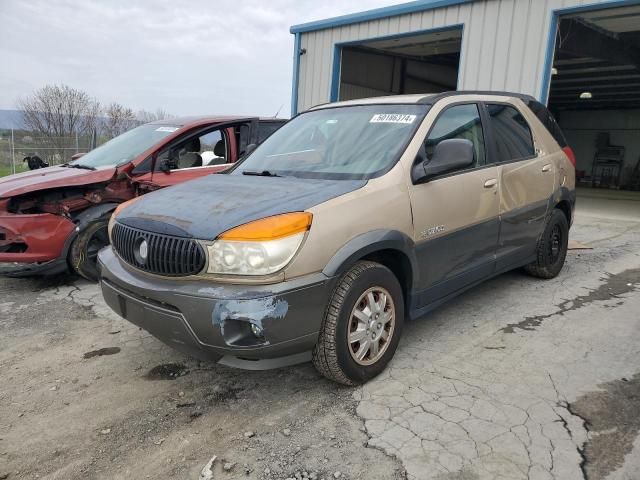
(125, 147)
(357, 142)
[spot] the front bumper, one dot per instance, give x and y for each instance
(213, 320)
(19, 269)
(34, 244)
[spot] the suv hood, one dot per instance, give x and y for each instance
(206, 207)
(51, 177)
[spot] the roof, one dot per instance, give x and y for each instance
(199, 119)
(424, 98)
(375, 14)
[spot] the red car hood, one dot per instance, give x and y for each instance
(51, 177)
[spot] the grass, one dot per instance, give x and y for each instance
(6, 170)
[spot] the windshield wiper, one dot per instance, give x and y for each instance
(263, 173)
(79, 165)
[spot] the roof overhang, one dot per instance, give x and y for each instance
(375, 14)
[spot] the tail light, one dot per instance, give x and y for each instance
(570, 155)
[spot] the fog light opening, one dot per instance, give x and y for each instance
(257, 331)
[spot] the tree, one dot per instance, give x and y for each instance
(119, 119)
(144, 116)
(58, 114)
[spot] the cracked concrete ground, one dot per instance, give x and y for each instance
(517, 378)
(491, 386)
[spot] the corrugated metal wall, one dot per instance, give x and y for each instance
(503, 46)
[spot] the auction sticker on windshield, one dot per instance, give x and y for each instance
(392, 118)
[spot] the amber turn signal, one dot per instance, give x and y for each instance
(270, 228)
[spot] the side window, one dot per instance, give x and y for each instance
(242, 136)
(205, 150)
(514, 140)
(266, 129)
(213, 148)
(459, 121)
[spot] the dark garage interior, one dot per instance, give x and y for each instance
(595, 95)
(427, 62)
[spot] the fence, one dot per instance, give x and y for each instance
(17, 144)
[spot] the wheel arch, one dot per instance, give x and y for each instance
(565, 201)
(87, 216)
(83, 219)
(390, 248)
(565, 207)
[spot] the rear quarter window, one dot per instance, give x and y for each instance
(513, 137)
(549, 121)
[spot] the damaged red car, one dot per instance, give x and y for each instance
(55, 219)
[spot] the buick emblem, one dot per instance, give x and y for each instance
(141, 250)
(144, 250)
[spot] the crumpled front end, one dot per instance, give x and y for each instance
(32, 243)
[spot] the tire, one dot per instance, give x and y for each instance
(552, 247)
(334, 356)
(83, 253)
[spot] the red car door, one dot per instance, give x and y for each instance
(201, 153)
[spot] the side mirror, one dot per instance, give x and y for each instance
(448, 156)
(164, 166)
(169, 163)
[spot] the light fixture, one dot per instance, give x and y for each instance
(257, 331)
(554, 71)
(586, 95)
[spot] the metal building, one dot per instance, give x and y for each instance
(582, 57)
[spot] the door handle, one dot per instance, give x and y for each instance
(546, 168)
(490, 183)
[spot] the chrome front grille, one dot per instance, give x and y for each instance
(157, 253)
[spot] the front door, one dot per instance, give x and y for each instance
(455, 216)
(194, 156)
(526, 184)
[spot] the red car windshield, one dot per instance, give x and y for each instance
(125, 147)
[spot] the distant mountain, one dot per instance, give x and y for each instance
(11, 119)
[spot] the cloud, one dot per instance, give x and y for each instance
(188, 57)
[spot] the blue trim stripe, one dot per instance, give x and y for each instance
(375, 14)
(335, 73)
(553, 27)
(296, 74)
(337, 52)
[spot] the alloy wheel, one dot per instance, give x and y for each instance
(371, 326)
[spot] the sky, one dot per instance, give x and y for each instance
(186, 57)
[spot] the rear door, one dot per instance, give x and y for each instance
(456, 215)
(526, 180)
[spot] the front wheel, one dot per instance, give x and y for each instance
(83, 255)
(362, 325)
(552, 247)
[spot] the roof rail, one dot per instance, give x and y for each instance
(439, 96)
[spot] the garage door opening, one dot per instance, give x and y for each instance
(418, 63)
(595, 95)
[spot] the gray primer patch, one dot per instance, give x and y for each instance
(255, 311)
(612, 419)
(613, 287)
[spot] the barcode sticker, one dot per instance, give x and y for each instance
(392, 118)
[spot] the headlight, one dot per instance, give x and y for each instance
(123, 205)
(259, 248)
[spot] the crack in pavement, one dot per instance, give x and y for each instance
(614, 286)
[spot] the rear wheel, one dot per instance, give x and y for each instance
(552, 247)
(362, 325)
(83, 255)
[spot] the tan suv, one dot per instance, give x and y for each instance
(350, 218)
